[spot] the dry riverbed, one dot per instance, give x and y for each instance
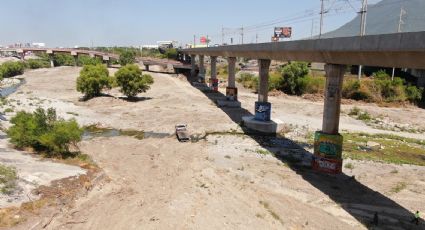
(224, 179)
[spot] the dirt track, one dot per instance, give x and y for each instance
(220, 183)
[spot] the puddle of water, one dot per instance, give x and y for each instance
(93, 132)
(4, 92)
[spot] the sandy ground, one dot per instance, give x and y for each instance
(222, 182)
(32, 172)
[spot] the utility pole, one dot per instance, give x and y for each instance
(222, 35)
(194, 41)
(400, 23)
(322, 12)
(208, 41)
(312, 28)
(256, 38)
(363, 13)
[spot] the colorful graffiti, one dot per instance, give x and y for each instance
(329, 146)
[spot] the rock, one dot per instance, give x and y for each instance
(373, 145)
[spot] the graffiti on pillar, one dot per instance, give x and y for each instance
(262, 111)
(232, 93)
(329, 146)
(327, 165)
(214, 84)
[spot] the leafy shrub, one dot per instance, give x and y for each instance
(132, 81)
(8, 178)
(275, 81)
(170, 53)
(414, 94)
(11, 69)
(92, 80)
(60, 59)
(292, 75)
(311, 84)
(87, 60)
(352, 89)
(248, 80)
(37, 63)
(127, 57)
(42, 130)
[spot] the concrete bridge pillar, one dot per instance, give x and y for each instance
(106, 60)
(263, 89)
(193, 62)
(201, 69)
(328, 142)
(213, 79)
(231, 90)
(261, 121)
(146, 67)
(75, 55)
(231, 82)
(50, 53)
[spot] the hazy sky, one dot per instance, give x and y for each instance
(136, 22)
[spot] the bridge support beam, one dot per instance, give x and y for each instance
(202, 71)
(193, 62)
(262, 121)
(146, 67)
(231, 90)
(328, 142)
(51, 58)
(213, 78)
(75, 55)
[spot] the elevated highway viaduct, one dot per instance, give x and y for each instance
(401, 50)
(171, 65)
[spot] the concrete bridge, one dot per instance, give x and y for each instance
(402, 50)
(171, 65)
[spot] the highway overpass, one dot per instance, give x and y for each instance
(106, 57)
(401, 50)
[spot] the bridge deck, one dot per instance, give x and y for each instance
(403, 50)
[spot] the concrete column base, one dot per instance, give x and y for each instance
(272, 126)
(229, 103)
(232, 93)
(213, 84)
(327, 153)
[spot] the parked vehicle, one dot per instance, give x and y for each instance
(182, 133)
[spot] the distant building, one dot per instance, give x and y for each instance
(150, 46)
(38, 44)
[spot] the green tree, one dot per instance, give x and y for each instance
(171, 53)
(92, 80)
(292, 77)
(87, 60)
(37, 63)
(60, 59)
(127, 57)
(23, 132)
(11, 69)
(43, 131)
(132, 81)
(61, 136)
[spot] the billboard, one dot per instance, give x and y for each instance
(282, 32)
(204, 40)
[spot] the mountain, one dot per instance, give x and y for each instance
(383, 18)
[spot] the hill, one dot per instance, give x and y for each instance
(383, 18)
